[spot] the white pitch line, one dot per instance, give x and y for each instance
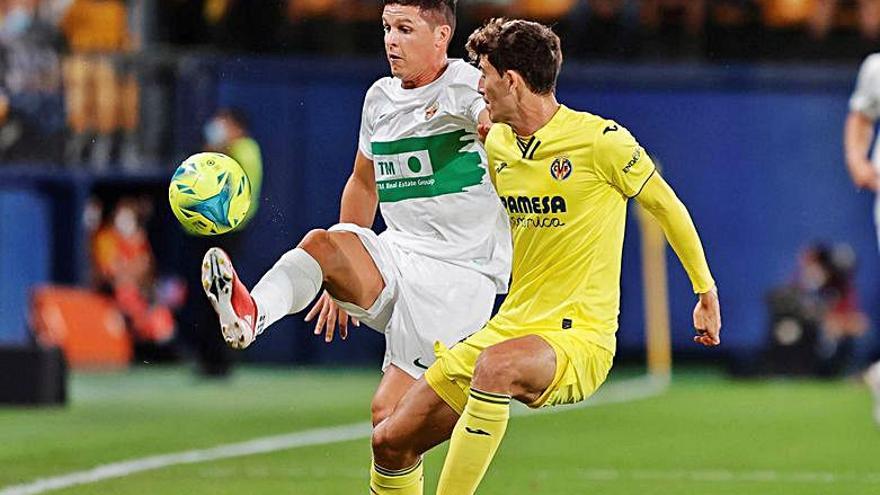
(619, 391)
(318, 436)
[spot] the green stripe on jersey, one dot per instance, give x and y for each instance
(425, 167)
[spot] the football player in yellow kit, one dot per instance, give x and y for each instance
(565, 178)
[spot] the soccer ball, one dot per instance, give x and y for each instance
(209, 193)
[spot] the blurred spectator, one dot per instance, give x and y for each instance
(332, 26)
(610, 29)
(784, 14)
(471, 15)
(124, 268)
(733, 29)
(10, 128)
(786, 24)
(227, 132)
(817, 318)
(30, 83)
(845, 28)
(101, 89)
(557, 13)
(674, 28)
(313, 26)
(242, 25)
(181, 22)
(547, 11)
(863, 15)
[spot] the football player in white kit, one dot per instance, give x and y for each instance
(864, 110)
(434, 273)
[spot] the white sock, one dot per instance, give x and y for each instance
(288, 286)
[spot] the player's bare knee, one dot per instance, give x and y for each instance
(495, 371)
(388, 451)
(319, 245)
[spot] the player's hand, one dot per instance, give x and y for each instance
(864, 176)
(483, 130)
(329, 315)
(707, 319)
(484, 123)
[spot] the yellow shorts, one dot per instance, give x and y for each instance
(581, 366)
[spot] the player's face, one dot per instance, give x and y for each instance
(410, 42)
(497, 92)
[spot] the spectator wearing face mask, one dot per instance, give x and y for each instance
(227, 132)
(124, 269)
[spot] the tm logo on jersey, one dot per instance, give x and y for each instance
(560, 169)
(424, 167)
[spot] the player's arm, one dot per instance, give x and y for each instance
(359, 202)
(864, 108)
(857, 136)
(359, 198)
(658, 198)
(625, 165)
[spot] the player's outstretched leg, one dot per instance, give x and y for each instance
(522, 368)
(419, 422)
(286, 288)
(338, 261)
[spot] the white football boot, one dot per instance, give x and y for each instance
(239, 322)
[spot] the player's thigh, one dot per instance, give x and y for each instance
(581, 368)
(436, 301)
(523, 366)
(350, 273)
(420, 421)
(451, 374)
(394, 385)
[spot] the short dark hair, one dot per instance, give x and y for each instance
(236, 115)
(443, 10)
(529, 48)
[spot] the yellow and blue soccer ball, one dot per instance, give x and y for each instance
(209, 193)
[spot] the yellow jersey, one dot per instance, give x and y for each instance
(565, 190)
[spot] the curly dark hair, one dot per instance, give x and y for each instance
(529, 48)
(443, 10)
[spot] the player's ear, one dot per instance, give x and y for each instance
(442, 35)
(514, 80)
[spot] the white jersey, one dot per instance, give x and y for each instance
(866, 97)
(434, 189)
(866, 100)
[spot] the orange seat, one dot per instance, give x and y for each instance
(86, 326)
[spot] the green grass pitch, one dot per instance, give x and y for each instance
(705, 435)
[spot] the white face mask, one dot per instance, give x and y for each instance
(125, 222)
(215, 132)
(17, 21)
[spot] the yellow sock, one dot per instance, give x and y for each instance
(409, 481)
(474, 441)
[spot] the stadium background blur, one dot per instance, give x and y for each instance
(741, 101)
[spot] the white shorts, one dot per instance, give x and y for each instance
(424, 300)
